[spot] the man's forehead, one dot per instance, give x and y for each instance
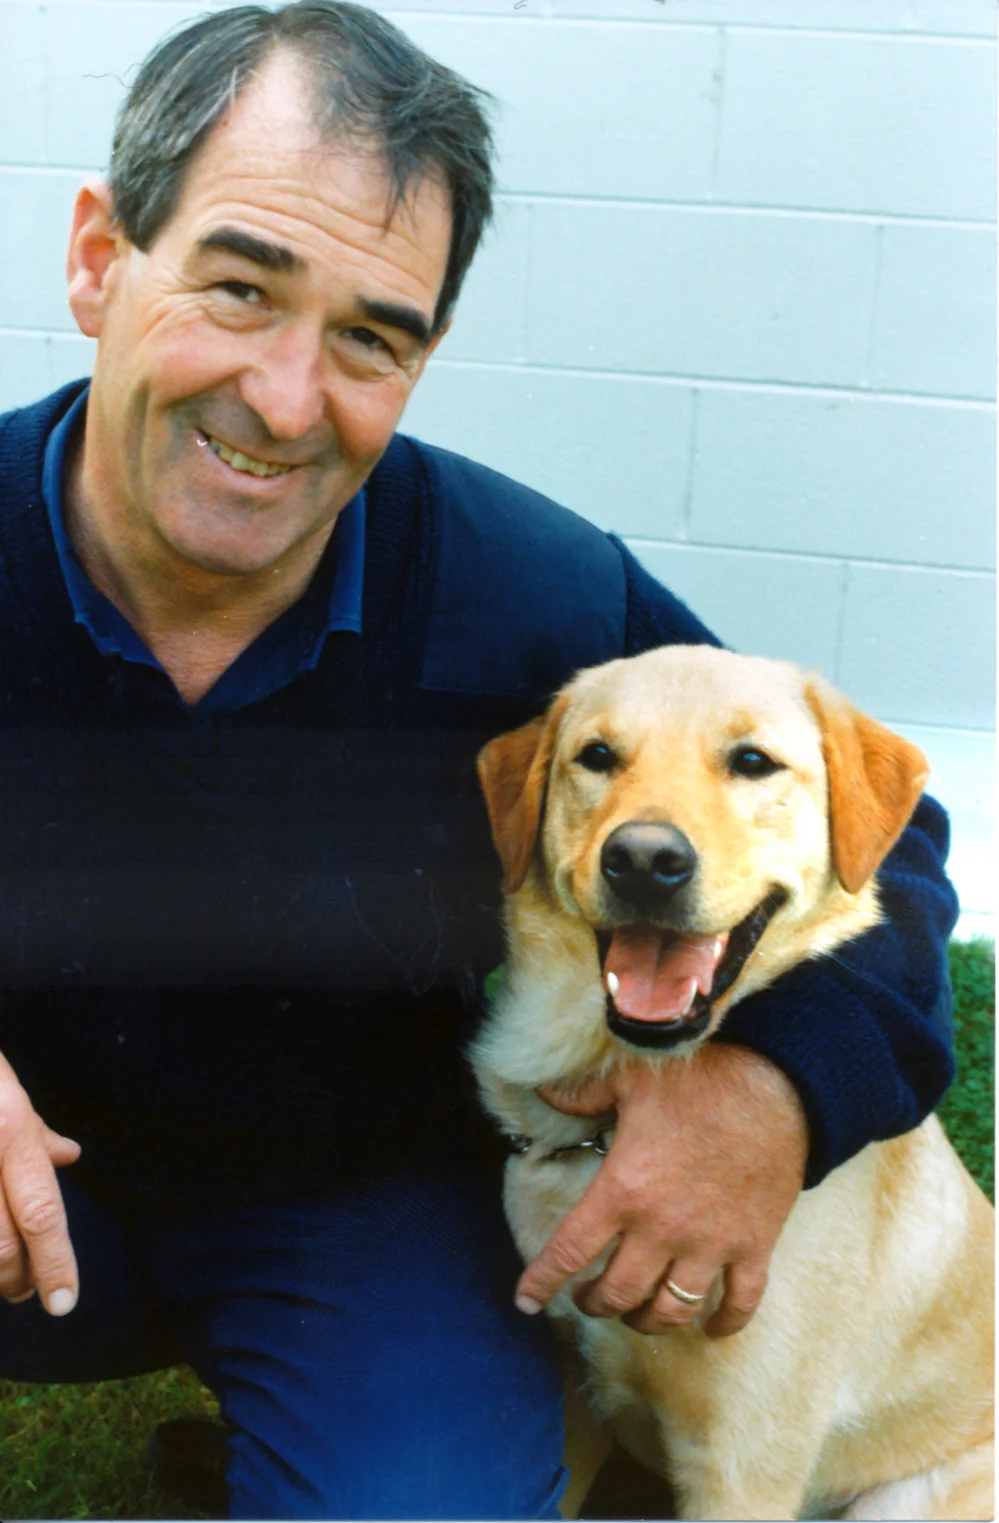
(293, 205)
(269, 142)
(270, 132)
(278, 102)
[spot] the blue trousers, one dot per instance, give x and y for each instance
(364, 1345)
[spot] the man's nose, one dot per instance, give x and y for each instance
(286, 386)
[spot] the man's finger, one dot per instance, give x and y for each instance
(15, 1272)
(61, 1150)
(629, 1280)
(594, 1097)
(744, 1287)
(584, 1234)
(670, 1306)
(35, 1203)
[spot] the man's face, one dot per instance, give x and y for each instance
(253, 364)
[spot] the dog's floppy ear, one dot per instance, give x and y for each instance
(513, 772)
(875, 779)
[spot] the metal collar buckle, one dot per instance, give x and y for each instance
(599, 1144)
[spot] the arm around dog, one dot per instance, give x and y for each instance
(865, 1036)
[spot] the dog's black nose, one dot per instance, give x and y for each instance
(645, 863)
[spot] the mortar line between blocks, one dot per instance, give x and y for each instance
(749, 384)
(872, 320)
(815, 557)
(718, 80)
(687, 503)
(526, 298)
(839, 631)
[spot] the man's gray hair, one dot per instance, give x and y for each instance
(372, 88)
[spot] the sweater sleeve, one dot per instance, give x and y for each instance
(864, 1034)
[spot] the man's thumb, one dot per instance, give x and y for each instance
(593, 1097)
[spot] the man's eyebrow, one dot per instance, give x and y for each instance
(232, 240)
(274, 256)
(396, 315)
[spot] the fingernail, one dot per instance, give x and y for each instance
(60, 1302)
(528, 1305)
(16, 1300)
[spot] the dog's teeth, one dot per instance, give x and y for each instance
(693, 995)
(613, 984)
(719, 943)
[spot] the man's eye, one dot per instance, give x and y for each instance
(242, 291)
(366, 338)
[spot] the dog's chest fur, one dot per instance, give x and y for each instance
(851, 1258)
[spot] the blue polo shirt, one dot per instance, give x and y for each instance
(280, 653)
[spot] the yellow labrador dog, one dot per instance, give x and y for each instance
(676, 832)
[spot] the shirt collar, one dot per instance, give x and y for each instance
(291, 645)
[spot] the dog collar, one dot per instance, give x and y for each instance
(599, 1143)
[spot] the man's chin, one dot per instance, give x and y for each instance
(243, 551)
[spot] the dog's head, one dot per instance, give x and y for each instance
(683, 805)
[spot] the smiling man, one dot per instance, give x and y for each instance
(253, 363)
(252, 639)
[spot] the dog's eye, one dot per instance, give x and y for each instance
(597, 757)
(750, 761)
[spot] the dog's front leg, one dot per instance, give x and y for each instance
(587, 1437)
(712, 1498)
(710, 1484)
(736, 1443)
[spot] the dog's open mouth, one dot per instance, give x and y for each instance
(661, 984)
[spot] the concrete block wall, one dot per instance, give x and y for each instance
(737, 305)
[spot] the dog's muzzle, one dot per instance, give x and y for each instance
(679, 1029)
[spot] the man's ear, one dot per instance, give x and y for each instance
(513, 772)
(875, 779)
(95, 244)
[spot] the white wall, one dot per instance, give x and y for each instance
(738, 305)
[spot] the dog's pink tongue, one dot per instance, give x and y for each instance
(658, 976)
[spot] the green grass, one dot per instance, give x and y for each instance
(968, 1109)
(76, 1451)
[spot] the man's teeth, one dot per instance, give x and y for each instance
(241, 462)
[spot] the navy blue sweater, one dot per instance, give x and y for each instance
(238, 950)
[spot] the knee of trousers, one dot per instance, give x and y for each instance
(414, 1448)
(517, 1480)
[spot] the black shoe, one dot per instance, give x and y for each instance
(186, 1457)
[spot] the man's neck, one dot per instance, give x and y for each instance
(195, 622)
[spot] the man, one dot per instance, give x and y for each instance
(251, 643)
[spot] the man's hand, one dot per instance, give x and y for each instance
(707, 1161)
(35, 1250)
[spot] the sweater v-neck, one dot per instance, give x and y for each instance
(398, 557)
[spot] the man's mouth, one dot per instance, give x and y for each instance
(661, 985)
(240, 462)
